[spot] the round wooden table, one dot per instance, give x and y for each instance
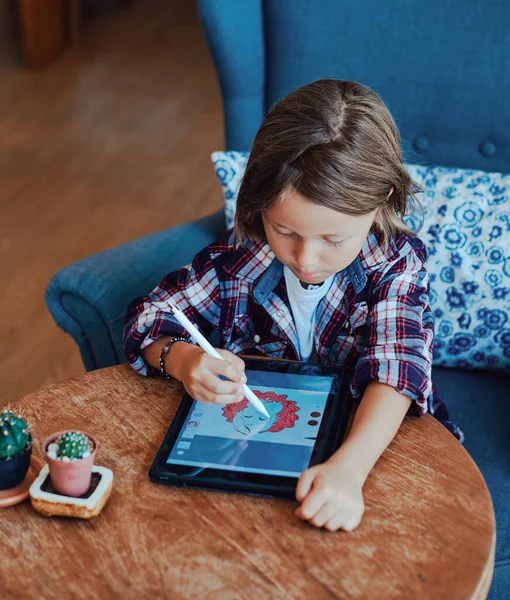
(428, 530)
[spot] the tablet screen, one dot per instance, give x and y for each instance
(237, 437)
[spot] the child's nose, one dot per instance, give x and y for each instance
(305, 256)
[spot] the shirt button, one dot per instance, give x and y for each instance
(280, 312)
(256, 338)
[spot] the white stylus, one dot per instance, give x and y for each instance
(205, 345)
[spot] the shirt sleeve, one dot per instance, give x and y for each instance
(194, 290)
(400, 331)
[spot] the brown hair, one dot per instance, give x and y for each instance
(336, 144)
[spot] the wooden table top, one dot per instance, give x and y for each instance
(428, 529)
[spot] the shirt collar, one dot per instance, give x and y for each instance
(255, 262)
(250, 260)
(374, 254)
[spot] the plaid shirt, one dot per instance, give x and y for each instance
(375, 319)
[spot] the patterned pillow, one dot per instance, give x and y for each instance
(465, 225)
(466, 228)
(229, 168)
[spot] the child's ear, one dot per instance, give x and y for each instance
(391, 191)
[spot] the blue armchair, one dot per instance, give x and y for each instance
(442, 69)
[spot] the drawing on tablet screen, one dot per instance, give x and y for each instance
(247, 420)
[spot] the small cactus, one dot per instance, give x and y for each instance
(74, 445)
(14, 435)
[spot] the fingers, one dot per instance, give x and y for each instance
(327, 511)
(333, 519)
(204, 394)
(313, 501)
(222, 391)
(221, 386)
(325, 506)
(233, 361)
(223, 368)
(232, 358)
(304, 484)
(214, 380)
(343, 520)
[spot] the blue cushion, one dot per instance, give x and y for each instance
(238, 25)
(89, 299)
(436, 69)
(480, 404)
(466, 229)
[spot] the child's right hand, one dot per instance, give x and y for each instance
(199, 372)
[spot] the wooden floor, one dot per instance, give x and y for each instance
(109, 143)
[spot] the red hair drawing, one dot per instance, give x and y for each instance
(285, 418)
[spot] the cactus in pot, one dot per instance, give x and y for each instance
(15, 449)
(70, 457)
(74, 445)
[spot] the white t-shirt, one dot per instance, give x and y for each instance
(303, 303)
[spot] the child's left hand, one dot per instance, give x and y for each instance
(331, 495)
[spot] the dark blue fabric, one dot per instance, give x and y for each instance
(442, 68)
(480, 405)
(235, 33)
(89, 299)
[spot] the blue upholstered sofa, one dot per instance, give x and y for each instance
(443, 69)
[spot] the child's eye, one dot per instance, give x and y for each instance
(282, 234)
(334, 244)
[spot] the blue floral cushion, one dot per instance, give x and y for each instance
(465, 225)
(229, 168)
(466, 228)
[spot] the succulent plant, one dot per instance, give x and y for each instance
(74, 445)
(14, 435)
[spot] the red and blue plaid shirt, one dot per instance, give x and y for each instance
(375, 319)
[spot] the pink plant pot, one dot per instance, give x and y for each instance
(70, 478)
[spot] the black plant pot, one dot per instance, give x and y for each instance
(13, 471)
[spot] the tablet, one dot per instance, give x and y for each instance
(235, 448)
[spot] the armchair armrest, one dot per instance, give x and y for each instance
(88, 299)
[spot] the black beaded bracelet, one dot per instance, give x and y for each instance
(165, 350)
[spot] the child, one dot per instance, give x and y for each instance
(318, 267)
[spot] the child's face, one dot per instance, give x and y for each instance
(314, 241)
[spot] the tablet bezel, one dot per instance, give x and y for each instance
(330, 435)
